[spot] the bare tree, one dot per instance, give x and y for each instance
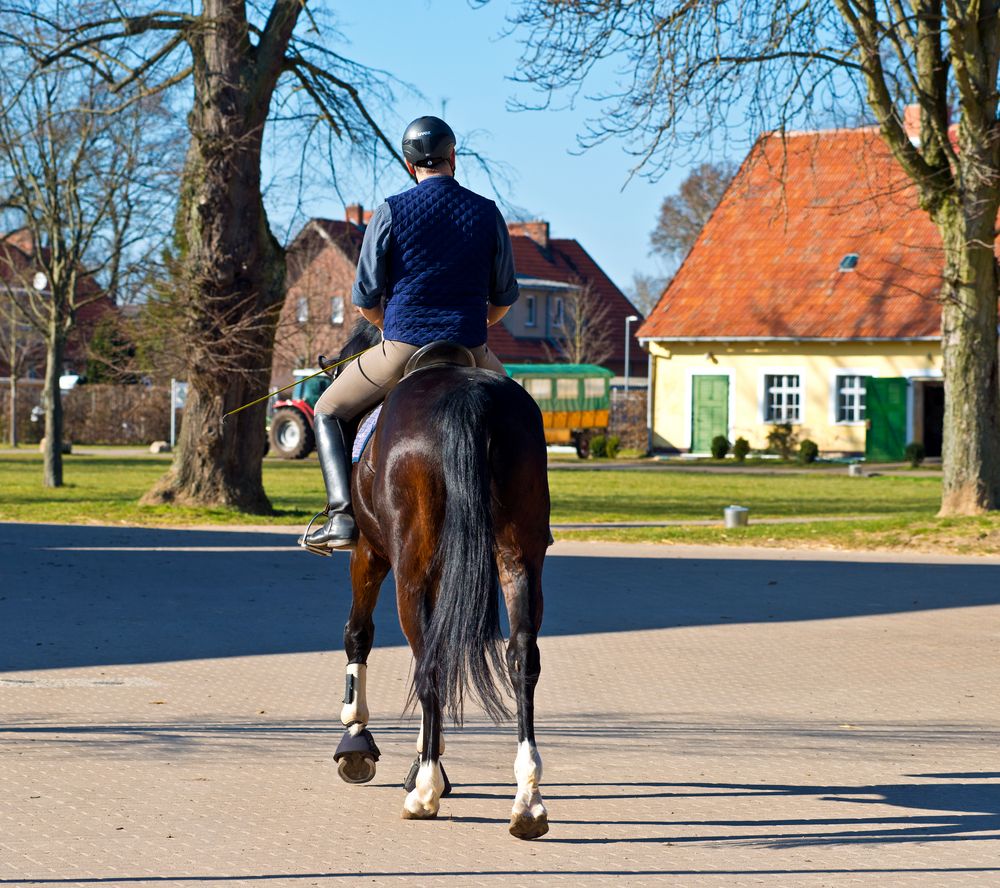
(697, 71)
(684, 214)
(645, 291)
(582, 334)
(243, 63)
(66, 166)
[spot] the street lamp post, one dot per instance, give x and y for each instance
(628, 343)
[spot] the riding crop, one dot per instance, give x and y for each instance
(325, 368)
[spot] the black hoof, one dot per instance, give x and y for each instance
(356, 756)
(410, 783)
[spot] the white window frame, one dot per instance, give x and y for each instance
(762, 394)
(558, 312)
(531, 310)
(337, 316)
(302, 310)
(835, 375)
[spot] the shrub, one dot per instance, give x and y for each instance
(720, 447)
(598, 446)
(611, 446)
(808, 451)
(741, 448)
(782, 440)
(915, 453)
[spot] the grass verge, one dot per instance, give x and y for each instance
(881, 512)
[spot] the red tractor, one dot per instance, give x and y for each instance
(291, 434)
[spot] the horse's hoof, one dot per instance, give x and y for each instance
(420, 813)
(356, 756)
(356, 767)
(524, 826)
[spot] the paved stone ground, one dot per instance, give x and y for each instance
(708, 717)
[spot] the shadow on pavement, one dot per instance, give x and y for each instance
(79, 596)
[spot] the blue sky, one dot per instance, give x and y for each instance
(449, 51)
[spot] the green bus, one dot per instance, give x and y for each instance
(575, 400)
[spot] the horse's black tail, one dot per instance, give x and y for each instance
(462, 647)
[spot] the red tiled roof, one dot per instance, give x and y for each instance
(766, 263)
(564, 261)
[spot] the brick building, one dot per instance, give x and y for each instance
(19, 281)
(317, 315)
(556, 277)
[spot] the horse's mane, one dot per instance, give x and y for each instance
(363, 335)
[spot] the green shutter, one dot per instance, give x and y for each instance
(885, 411)
(709, 410)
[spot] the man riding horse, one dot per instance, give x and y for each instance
(435, 264)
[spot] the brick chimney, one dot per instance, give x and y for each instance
(538, 231)
(355, 214)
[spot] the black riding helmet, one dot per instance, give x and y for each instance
(427, 141)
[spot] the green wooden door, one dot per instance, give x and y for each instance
(885, 412)
(709, 411)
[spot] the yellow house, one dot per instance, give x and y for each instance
(810, 297)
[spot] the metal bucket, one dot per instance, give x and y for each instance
(736, 516)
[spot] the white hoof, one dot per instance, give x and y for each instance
(423, 802)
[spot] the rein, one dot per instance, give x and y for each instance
(285, 388)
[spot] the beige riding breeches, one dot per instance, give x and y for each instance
(363, 383)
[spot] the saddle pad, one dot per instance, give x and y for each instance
(365, 432)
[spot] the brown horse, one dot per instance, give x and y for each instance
(452, 495)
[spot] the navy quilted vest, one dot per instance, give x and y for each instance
(443, 243)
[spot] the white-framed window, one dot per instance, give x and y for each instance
(849, 394)
(539, 388)
(567, 388)
(336, 310)
(594, 388)
(302, 310)
(782, 397)
(529, 305)
(559, 312)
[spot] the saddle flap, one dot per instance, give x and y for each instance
(436, 353)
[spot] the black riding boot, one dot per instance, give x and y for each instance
(340, 531)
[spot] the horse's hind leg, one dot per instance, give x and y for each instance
(357, 753)
(523, 593)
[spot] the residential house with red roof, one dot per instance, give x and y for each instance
(551, 272)
(810, 297)
(317, 315)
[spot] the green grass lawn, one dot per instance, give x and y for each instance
(898, 510)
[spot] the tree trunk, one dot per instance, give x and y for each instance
(52, 454)
(234, 271)
(969, 329)
(13, 406)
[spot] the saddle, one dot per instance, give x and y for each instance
(434, 354)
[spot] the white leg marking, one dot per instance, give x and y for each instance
(528, 771)
(420, 742)
(425, 798)
(357, 709)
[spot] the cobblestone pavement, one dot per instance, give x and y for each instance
(169, 706)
